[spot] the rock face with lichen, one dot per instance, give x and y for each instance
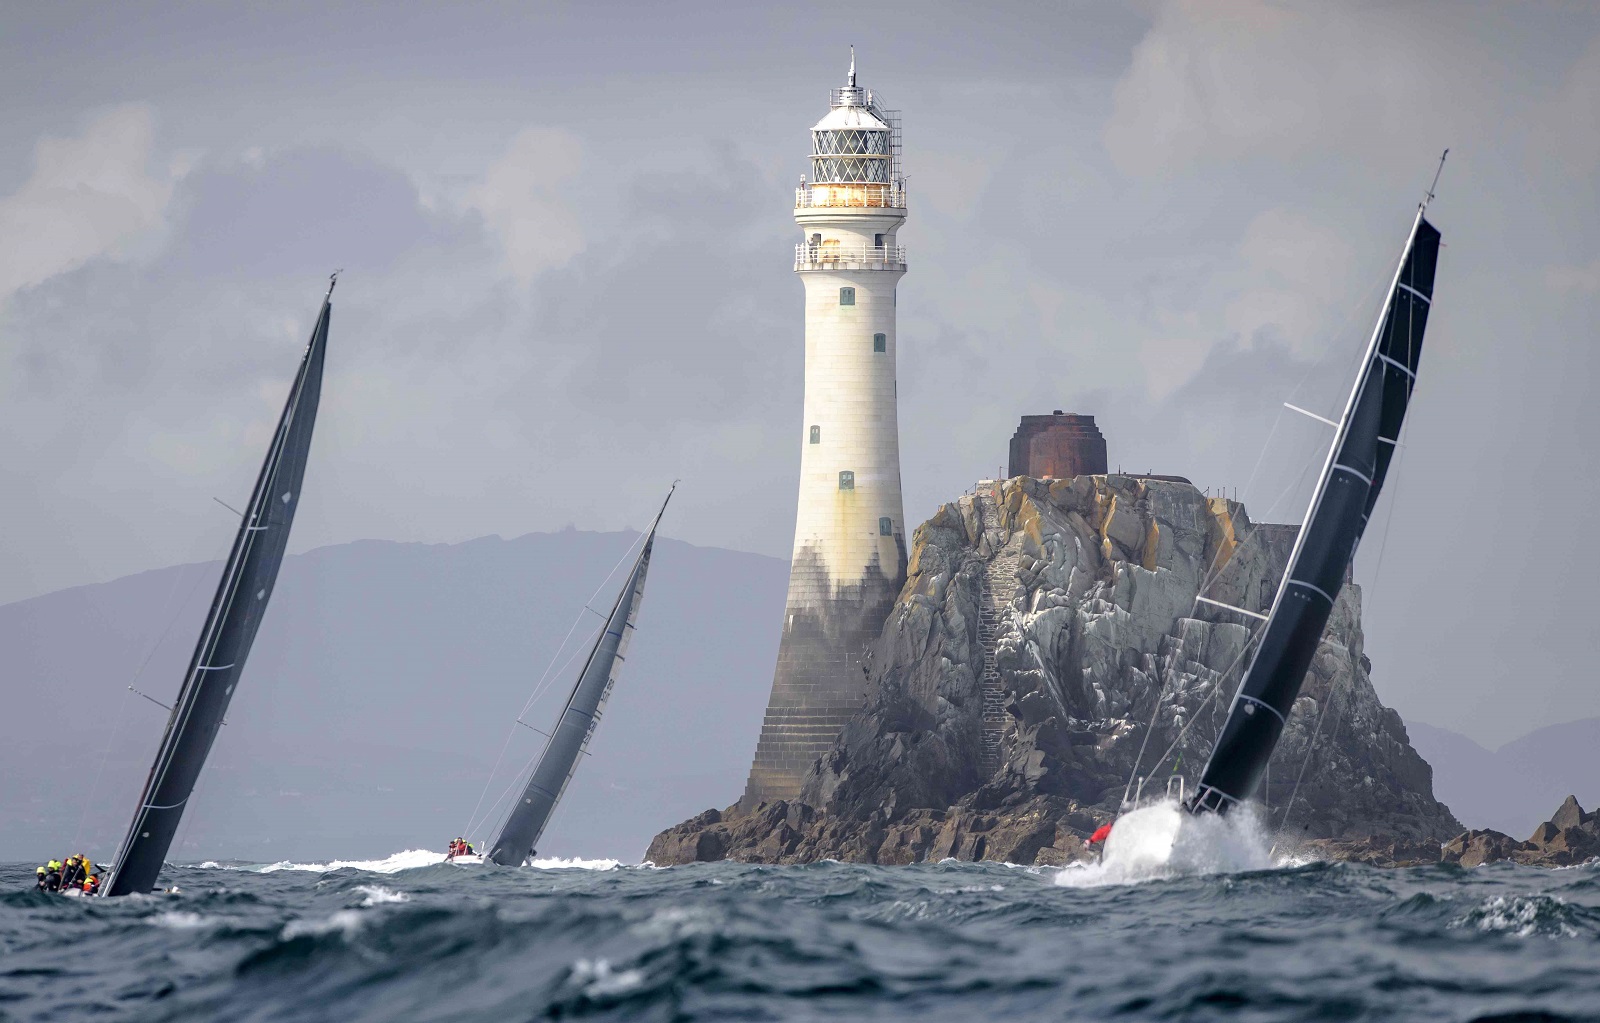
(1047, 646)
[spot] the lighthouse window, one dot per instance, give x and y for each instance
(886, 526)
(847, 480)
(816, 435)
(847, 296)
(880, 342)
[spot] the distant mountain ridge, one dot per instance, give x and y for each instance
(1511, 789)
(384, 680)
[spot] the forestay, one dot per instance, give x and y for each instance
(1352, 476)
(230, 629)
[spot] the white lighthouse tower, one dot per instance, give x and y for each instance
(849, 539)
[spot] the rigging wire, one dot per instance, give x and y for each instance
(1215, 572)
(185, 824)
(83, 818)
(632, 592)
(1311, 748)
(1395, 460)
(528, 770)
(493, 813)
(545, 681)
(1222, 677)
(1377, 570)
(1220, 566)
(1215, 689)
(1321, 363)
(138, 673)
(475, 822)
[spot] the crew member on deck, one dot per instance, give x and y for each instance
(1097, 841)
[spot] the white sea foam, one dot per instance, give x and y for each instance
(407, 860)
(347, 921)
(180, 921)
(557, 863)
(1291, 858)
(675, 922)
(377, 895)
(599, 980)
(1162, 841)
(1523, 916)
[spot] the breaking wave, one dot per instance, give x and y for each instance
(1524, 916)
(1161, 841)
(408, 860)
(557, 863)
(377, 895)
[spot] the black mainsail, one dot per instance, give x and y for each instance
(579, 719)
(230, 628)
(1363, 448)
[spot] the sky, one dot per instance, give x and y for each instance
(566, 237)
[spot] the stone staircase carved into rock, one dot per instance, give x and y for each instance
(997, 585)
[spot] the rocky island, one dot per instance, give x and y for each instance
(1569, 837)
(1047, 641)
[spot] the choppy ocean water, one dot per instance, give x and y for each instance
(413, 939)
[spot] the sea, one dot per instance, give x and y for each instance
(413, 938)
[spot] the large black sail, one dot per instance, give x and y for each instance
(230, 628)
(579, 718)
(1346, 492)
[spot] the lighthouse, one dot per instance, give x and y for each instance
(849, 557)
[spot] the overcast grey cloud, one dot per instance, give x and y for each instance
(566, 235)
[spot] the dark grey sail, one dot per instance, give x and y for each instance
(579, 719)
(230, 628)
(1346, 492)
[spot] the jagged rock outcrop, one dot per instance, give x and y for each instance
(1570, 836)
(1043, 627)
(1043, 831)
(1373, 850)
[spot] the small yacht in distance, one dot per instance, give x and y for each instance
(524, 822)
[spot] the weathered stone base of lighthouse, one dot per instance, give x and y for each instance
(1013, 740)
(822, 671)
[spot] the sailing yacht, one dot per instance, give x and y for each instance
(1365, 439)
(230, 629)
(552, 772)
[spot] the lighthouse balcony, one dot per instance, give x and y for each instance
(849, 257)
(862, 195)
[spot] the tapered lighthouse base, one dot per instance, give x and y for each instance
(821, 676)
